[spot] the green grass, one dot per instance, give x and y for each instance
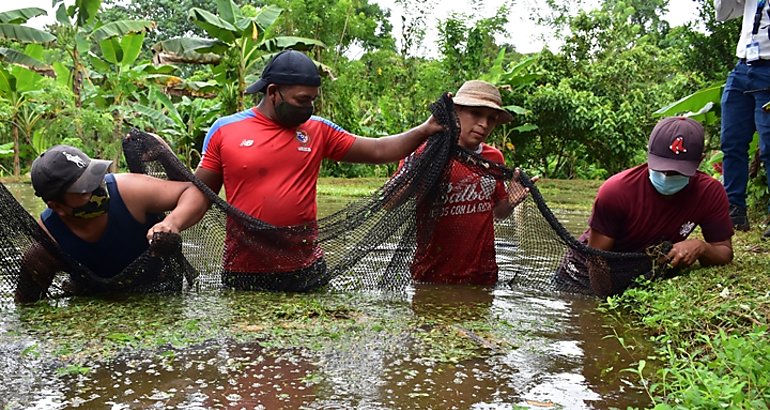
(710, 330)
(560, 194)
(348, 187)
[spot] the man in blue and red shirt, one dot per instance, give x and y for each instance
(662, 200)
(268, 159)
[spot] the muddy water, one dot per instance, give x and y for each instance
(436, 347)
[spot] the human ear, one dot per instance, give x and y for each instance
(57, 207)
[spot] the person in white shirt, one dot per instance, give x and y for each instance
(745, 96)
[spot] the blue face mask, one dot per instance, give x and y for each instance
(668, 184)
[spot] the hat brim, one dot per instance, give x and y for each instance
(91, 178)
(686, 168)
(258, 87)
(471, 102)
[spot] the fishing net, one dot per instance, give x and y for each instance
(368, 245)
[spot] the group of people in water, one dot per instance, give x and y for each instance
(268, 160)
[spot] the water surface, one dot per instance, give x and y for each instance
(432, 347)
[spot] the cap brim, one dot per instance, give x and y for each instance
(469, 102)
(657, 163)
(92, 177)
(257, 87)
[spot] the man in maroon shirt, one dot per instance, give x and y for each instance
(662, 200)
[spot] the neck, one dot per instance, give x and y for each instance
(266, 108)
(476, 149)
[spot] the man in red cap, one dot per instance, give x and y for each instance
(662, 200)
(268, 159)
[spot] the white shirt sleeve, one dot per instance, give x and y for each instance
(728, 9)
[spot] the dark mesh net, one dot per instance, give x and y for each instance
(368, 245)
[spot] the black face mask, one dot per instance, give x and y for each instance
(96, 206)
(289, 115)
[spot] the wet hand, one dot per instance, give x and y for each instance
(162, 226)
(432, 126)
(685, 253)
(517, 193)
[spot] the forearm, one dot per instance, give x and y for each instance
(395, 147)
(391, 148)
(191, 207)
(503, 209)
(715, 254)
(38, 269)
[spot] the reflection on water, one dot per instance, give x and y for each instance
(527, 350)
(436, 347)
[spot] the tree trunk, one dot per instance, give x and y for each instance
(16, 162)
(241, 85)
(117, 135)
(77, 77)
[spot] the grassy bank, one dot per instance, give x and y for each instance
(710, 330)
(560, 194)
(709, 326)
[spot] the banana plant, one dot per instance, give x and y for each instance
(183, 124)
(18, 76)
(12, 28)
(512, 78)
(79, 29)
(237, 43)
(122, 80)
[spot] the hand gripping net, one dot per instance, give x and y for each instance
(368, 245)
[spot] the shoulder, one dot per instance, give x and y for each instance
(706, 181)
(708, 185)
(129, 183)
(236, 118)
(322, 124)
(621, 181)
(491, 153)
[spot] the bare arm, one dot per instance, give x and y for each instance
(38, 268)
(600, 278)
(685, 253)
(212, 179)
(147, 195)
(391, 148)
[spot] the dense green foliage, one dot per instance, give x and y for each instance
(583, 110)
(710, 328)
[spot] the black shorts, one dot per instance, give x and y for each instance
(303, 280)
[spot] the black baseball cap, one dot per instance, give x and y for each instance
(289, 67)
(676, 144)
(66, 169)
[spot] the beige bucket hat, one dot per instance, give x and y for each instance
(477, 93)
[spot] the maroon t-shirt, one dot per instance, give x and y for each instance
(628, 209)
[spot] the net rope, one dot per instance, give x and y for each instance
(367, 245)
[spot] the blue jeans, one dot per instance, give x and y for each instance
(746, 91)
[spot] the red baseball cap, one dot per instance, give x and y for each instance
(676, 144)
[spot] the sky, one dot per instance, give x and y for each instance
(523, 33)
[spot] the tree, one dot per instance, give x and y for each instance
(594, 105)
(238, 42)
(79, 28)
(341, 23)
(172, 15)
(468, 49)
(17, 76)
